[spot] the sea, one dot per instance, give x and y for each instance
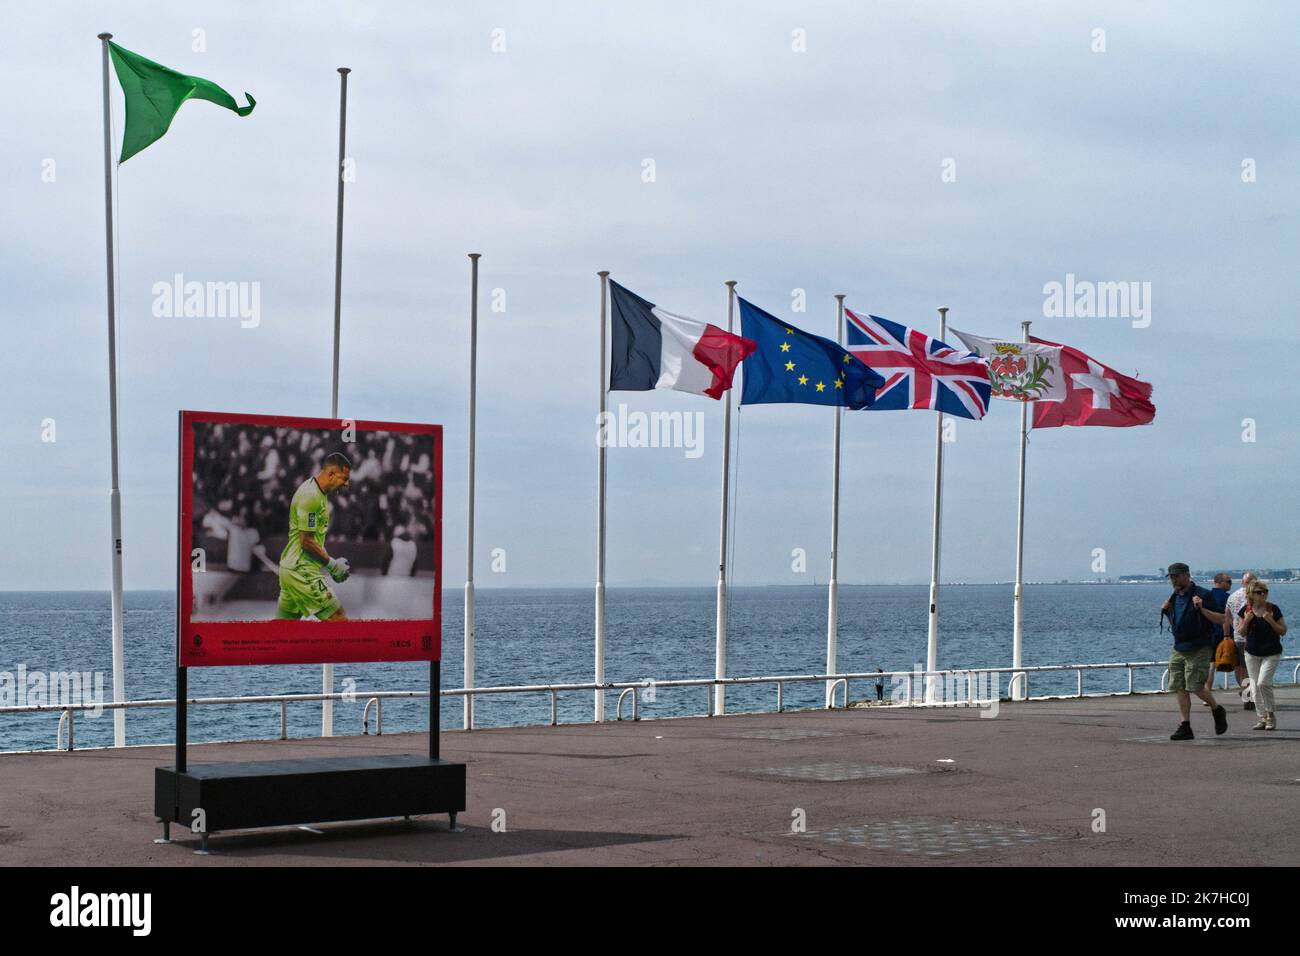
(545, 636)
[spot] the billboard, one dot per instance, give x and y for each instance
(308, 540)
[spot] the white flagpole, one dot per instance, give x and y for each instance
(1018, 679)
(114, 494)
(932, 644)
(601, 437)
(469, 529)
(327, 670)
(720, 641)
(833, 587)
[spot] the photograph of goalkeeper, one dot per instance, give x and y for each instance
(304, 561)
(350, 514)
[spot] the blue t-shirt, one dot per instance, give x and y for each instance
(1220, 599)
(1181, 602)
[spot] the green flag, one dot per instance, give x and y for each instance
(154, 94)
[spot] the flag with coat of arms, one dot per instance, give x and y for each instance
(1020, 371)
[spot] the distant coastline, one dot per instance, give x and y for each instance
(1274, 575)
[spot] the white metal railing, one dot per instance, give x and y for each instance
(914, 679)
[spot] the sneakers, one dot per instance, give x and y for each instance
(1250, 705)
(1270, 722)
(1220, 720)
(1184, 732)
(1262, 725)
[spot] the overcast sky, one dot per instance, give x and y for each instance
(795, 146)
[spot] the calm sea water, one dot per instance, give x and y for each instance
(545, 636)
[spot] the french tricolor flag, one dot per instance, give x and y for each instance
(653, 348)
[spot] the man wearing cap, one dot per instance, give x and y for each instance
(1192, 618)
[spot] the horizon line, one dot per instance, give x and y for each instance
(708, 587)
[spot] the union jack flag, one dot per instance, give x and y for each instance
(920, 371)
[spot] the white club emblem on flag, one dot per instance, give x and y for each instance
(1020, 371)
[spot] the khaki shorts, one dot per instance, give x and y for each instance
(1189, 670)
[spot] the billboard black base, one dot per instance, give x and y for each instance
(216, 797)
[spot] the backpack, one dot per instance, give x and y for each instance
(1225, 655)
(1206, 627)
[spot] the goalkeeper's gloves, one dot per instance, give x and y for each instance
(338, 569)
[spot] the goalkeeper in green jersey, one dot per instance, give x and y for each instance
(303, 591)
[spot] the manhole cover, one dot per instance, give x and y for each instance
(832, 771)
(790, 733)
(929, 839)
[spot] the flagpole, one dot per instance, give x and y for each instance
(833, 586)
(932, 643)
(338, 234)
(469, 531)
(601, 437)
(720, 642)
(114, 494)
(327, 670)
(1018, 679)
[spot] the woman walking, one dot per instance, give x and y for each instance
(1263, 627)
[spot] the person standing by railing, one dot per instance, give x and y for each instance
(1263, 628)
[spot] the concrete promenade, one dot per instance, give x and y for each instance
(873, 787)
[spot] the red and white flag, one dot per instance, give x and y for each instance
(1096, 395)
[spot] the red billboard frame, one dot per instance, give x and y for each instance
(242, 643)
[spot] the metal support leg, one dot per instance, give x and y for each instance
(167, 832)
(203, 845)
(452, 816)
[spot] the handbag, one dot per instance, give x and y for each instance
(1225, 655)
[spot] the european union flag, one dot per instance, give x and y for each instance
(792, 366)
